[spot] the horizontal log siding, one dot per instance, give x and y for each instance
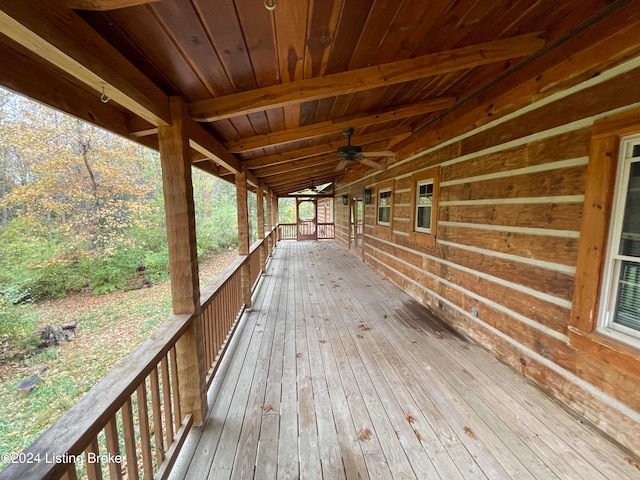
(509, 218)
(341, 213)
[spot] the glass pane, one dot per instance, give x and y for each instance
(423, 217)
(630, 236)
(384, 214)
(425, 195)
(627, 311)
(636, 151)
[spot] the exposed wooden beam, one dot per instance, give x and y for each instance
(50, 87)
(364, 78)
(103, 5)
(329, 147)
(58, 35)
(139, 127)
(337, 125)
(208, 166)
(316, 173)
(302, 164)
(203, 142)
(296, 185)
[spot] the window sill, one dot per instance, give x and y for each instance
(607, 349)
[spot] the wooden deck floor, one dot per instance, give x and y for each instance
(337, 373)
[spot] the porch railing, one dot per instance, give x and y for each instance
(326, 231)
(289, 231)
(132, 423)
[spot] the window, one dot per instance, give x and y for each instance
(424, 205)
(384, 207)
(620, 298)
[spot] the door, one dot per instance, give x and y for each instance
(306, 211)
(356, 210)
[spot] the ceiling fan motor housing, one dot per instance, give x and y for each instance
(349, 151)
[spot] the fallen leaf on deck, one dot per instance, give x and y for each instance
(323, 341)
(309, 377)
(466, 347)
(418, 436)
(468, 431)
(298, 355)
(364, 434)
(633, 462)
(267, 408)
(364, 327)
(408, 416)
(384, 316)
(439, 336)
(359, 336)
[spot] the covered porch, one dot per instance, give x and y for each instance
(335, 372)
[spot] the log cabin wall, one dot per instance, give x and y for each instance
(501, 267)
(341, 219)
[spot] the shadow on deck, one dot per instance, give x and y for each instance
(337, 373)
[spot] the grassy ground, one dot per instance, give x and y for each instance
(109, 328)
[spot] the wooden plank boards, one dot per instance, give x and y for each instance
(339, 374)
(315, 88)
(61, 37)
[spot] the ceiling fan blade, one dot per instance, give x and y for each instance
(372, 164)
(342, 165)
(379, 154)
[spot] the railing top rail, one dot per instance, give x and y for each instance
(70, 435)
(208, 291)
(82, 422)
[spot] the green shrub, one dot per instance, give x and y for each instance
(18, 324)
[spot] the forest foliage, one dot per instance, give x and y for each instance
(82, 209)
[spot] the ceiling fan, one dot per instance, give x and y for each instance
(353, 153)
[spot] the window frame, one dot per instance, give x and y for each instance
(378, 206)
(425, 183)
(386, 186)
(423, 236)
(583, 333)
(612, 260)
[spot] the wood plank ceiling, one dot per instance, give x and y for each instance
(277, 88)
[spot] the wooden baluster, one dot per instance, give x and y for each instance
(145, 439)
(166, 393)
(113, 448)
(129, 433)
(175, 389)
(71, 473)
(156, 405)
(92, 452)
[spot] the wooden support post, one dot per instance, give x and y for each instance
(260, 212)
(177, 187)
(275, 216)
(243, 233)
(269, 224)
